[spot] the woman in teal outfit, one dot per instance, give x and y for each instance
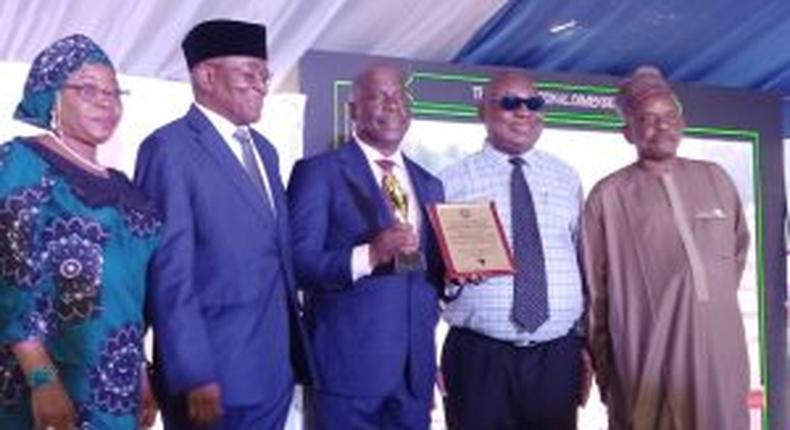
(75, 240)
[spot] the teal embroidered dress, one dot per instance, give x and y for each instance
(73, 254)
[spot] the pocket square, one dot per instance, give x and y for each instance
(715, 213)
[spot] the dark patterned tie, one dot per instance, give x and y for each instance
(530, 301)
(242, 135)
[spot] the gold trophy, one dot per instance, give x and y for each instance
(404, 262)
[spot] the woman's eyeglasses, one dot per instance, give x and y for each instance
(92, 93)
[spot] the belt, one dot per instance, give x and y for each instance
(513, 344)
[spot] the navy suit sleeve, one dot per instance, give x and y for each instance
(318, 263)
(173, 305)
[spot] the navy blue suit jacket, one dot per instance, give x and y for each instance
(222, 298)
(370, 334)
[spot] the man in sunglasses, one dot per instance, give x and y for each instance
(513, 356)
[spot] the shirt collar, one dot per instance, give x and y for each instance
(225, 128)
(529, 157)
(373, 154)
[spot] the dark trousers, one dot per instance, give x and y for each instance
(398, 410)
(496, 385)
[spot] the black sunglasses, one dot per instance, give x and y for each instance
(511, 103)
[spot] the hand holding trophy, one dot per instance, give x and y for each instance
(399, 202)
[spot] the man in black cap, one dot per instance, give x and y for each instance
(228, 341)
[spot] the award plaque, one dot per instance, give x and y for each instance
(471, 239)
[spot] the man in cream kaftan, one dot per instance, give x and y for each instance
(665, 243)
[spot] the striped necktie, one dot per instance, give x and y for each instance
(242, 135)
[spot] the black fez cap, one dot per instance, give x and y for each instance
(222, 37)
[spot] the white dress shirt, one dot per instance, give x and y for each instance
(557, 194)
(226, 129)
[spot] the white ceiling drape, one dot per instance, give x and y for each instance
(143, 39)
(143, 36)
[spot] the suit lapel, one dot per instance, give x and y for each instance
(421, 195)
(278, 199)
(272, 171)
(363, 186)
(210, 140)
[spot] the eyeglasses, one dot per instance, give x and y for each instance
(512, 103)
(651, 119)
(92, 93)
(245, 76)
(252, 78)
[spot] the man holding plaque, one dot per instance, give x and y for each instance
(368, 262)
(513, 356)
(665, 244)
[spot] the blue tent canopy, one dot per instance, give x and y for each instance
(730, 43)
